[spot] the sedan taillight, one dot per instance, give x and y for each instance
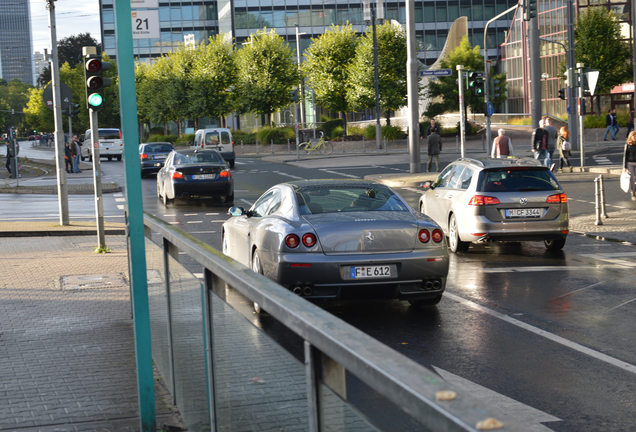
(176, 175)
(480, 200)
(424, 236)
(225, 173)
(558, 198)
(292, 241)
(143, 156)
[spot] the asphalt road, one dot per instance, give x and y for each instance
(545, 336)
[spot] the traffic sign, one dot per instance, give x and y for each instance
(145, 24)
(490, 108)
(436, 72)
(65, 92)
(592, 78)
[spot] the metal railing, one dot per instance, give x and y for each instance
(223, 372)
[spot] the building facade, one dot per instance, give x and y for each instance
(15, 41)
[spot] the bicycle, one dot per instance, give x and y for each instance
(325, 147)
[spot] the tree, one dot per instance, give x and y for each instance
(326, 66)
(392, 56)
(267, 71)
(14, 96)
(598, 45)
(69, 50)
(444, 92)
(213, 79)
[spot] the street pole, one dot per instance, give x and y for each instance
(579, 82)
(97, 180)
(462, 128)
(535, 70)
(300, 84)
(378, 126)
(412, 78)
(62, 187)
(544, 77)
(572, 119)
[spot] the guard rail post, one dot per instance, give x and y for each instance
(602, 193)
(597, 201)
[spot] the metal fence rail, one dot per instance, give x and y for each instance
(331, 347)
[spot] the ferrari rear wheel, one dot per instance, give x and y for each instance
(257, 268)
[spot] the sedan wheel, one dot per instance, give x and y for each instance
(229, 198)
(166, 200)
(257, 268)
(226, 245)
(456, 245)
(554, 245)
(158, 191)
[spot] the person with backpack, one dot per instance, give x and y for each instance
(565, 148)
(540, 143)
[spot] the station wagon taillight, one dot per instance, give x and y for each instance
(558, 198)
(480, 200)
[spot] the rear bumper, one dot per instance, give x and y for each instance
(187, 189)
(485, 230)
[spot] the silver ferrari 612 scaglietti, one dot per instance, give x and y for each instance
(340, 239)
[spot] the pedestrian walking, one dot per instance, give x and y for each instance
(540, 143)
(9, 157)
(68, 158)
(629, 162)
(432, 128)
(630, 122)
(434, 149)
(565, 148)
(609, 122)
(75, 144)
(552, 133)
(502, 145)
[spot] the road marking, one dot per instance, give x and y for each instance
(288, 175)
(249, 203)
(541, 269)
(554, 338)
(194, 222)
(202, 232)
(198, 275)
(120, 207)
(622, 304)
(580, 289)
(412, 189)
(338, 173)
(602, 160)
(120, 199)
(499, 404)
(190, 214)
(613, 258)
(211, 214)
(174, 223)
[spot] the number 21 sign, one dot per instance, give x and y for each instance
(145, 24)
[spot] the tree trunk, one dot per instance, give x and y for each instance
(343, 116)
(165, 128)
(388, 118)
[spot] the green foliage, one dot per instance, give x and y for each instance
(392, 56)
(330, 125)
(445, 91)
(337, 132)
(326, 66)
(184, 140)
(69, 50)
(519, 121)
(266, 134)
(267, 71)
(599, 44)
(102, 249)
(163, 138)
(244, 137)
(356, 130)
(392, 133)
(369, 132)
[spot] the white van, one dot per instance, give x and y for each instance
(110, 144)
(219, 139)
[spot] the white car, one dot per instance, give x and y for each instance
(110, 144)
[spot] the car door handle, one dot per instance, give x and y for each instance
(436, 195)
(449, 196)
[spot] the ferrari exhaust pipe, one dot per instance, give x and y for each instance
(297, 290)
(307, 290)
(428, 285)
(436, 284)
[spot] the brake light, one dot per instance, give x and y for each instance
(143, 156)
(437, 236)
(309, 240)
(480, 200)
(558, 198)
(424, 236)
(176, 175)
(120, 134)
(292, 241)
(225, 173)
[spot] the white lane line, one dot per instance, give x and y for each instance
(613, 258)
(622, 304)
(541, 269)
(554, 338)
(174, 223)
(288, 175)
(120, 199)
(219, 221)
(202, 232)
(190, 214)
(198, 275)
(412, 189)
(249, 203)
(580, 289)
(194, 222)
(339, 173)
(118, 194)
(213, 214)
(120, 207)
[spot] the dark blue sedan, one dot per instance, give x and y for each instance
(195, 173)
(153, 155)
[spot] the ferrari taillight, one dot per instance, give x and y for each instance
(292, 241)
(437, 235)
(424, 236)
(309, 240)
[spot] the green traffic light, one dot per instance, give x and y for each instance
(95, 100)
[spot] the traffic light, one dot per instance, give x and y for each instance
(476, 82)
(95, 82)
(293, 96)
(75, 108)
(562, 94)
(495, 85)
(529, 9)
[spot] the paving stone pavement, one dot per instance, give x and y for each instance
(67, 354)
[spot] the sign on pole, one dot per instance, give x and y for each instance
(592, 79)
(145, 24)
(66, 93)
(436, 72)
(144, 4)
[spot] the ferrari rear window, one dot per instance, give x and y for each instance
(334, 198)
(517, 180)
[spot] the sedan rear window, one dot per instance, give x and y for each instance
(334, 198)
(517, 180)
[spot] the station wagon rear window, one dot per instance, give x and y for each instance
(517, 180)
(335, 198)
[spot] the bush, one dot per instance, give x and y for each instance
(244, 137)
(330, 125)
(337, 132)
(162, 138)
(156, 131)
(393, 133)
(593, 122)
(185, 140)
(355, 130)
(266, 134)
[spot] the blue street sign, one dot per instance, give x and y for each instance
(490, 108)
(436, 72)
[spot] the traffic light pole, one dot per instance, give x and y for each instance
(62, 187)
(462, 127)
(97, 179)
(579, 82)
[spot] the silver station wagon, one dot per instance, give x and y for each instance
(508, 200)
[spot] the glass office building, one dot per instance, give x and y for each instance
(15, 41)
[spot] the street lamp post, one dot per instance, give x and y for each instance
(545, 77)
(370, 15)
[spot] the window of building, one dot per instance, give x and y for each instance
(429, 13)
(478, 11)
(453, 11)
(419, 16)
(175, 13)
(279, 18)
(108, 16)
(267, 19)
(164, 14)
(440, 10)
(318, 17)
